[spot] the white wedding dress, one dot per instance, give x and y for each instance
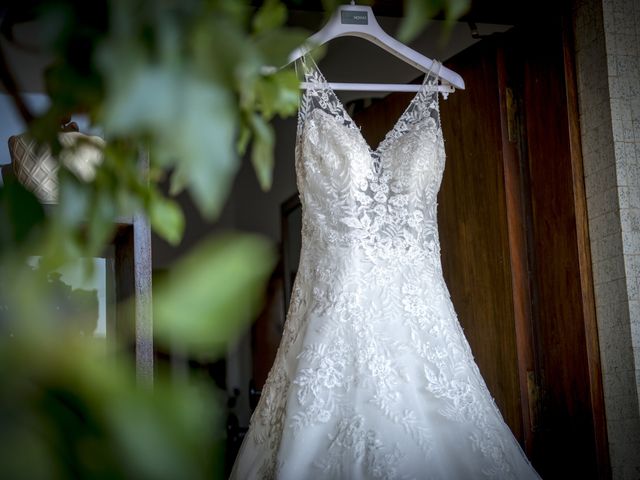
(373, 378)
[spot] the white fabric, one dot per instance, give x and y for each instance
(374, 378)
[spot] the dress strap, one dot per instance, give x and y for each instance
(309, 66)
(433, 72)
(435, 67)
(318, 95)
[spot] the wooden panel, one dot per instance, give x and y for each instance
(517, 213)
(125, 288)
(474, 229)
(584, 252)
(142, 292)
(565, 446)
(133, 323)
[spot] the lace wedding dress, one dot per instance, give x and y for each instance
(373, 377)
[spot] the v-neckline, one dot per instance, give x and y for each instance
(375, 153)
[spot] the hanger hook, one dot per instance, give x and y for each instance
(353, 2)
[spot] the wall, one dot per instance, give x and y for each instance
(607, 43)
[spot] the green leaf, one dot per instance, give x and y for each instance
(221, 51)
(73, 412)
(278, 93)
(330, 5)
(271, 15)
(21, 215)
(164, 434)
(100, 224)
(243, 138)
(203, 144)
(454, 9)
(209, 296)
(74, 200)
(276, 45)
(167, 219)
(191, 124)
(262, 151)
(417, 14)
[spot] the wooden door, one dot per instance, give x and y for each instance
(569, 430)
(515, 253)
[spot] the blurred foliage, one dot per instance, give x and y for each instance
(177, 88)
(78, 415)
(418, 13)
(229, 297)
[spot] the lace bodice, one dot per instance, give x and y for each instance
(373, 378)
(381, 202)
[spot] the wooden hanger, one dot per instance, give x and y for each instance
(359, 21)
